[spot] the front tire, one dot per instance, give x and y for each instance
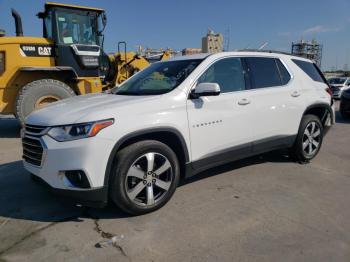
(309, 139)
(39, 93)
(144, 177)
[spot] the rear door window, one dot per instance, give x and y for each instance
(263, 72)
(310, 69)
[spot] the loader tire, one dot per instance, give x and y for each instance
(39, 93)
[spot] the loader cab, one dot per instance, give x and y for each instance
(77, 35)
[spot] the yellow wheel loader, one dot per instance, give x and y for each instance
(68, 60)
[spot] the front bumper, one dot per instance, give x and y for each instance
(336, 92)
(90, 197)
(88, 155)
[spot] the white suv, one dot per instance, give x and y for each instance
(173, 119)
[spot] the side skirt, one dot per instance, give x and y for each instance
(238, 152)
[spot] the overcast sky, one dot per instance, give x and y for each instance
(179, 24)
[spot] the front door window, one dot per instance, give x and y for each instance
(228, 73)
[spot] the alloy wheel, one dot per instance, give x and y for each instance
(149, 179)
(311, 138)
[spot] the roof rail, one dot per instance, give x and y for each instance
(264, 51)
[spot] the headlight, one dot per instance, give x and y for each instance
(2, 62)
(78, 131)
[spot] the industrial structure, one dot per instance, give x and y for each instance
(212, 43)
(309, 49)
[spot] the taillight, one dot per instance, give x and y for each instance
(329, 90)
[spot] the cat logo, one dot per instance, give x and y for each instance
(44, 51)
(36, 50)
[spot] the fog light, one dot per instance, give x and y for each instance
(77, 178)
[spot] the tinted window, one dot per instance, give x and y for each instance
(263, 72)
(285, 76)
(228, 73)
(310, 69)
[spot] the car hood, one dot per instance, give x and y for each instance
(81, 109)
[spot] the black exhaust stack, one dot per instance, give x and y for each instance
(18, 22)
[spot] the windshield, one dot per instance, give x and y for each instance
(337, 81)
(158, 78)
(74, 28)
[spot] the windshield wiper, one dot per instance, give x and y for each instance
(127, 93)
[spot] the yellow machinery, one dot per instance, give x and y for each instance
(68, 60)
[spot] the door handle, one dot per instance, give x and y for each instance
(295, 94)
(243, 102)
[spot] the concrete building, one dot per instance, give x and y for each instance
(191, 51)
(212, 43)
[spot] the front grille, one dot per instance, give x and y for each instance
(34, 130)
(33, 150)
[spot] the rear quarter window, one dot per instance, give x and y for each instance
(285, 76)
(310, 69)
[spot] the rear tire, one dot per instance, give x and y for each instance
(140, 185)
(37, 94)
(309, 139)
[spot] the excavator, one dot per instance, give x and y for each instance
(68, 60)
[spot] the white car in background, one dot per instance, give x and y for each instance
(177, 118)
(338, 84)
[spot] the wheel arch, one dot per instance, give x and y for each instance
(69, 72)
(321, 110)
(66, 75)
(167, 135)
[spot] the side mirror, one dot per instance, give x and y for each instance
(104, 20)
(205, 89)
(104, 23)
(41, 15)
